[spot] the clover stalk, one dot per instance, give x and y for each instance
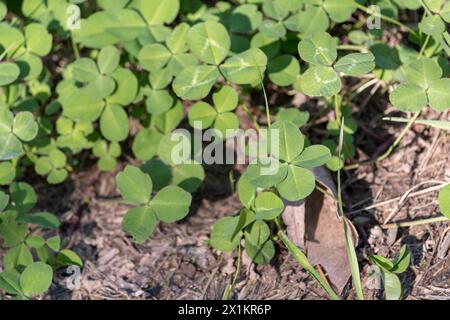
(266, 100)
(337, 108)
(230, 286)
(349, 245)
(424, 46)
(75, 49)
(400, 137)
(299, 256)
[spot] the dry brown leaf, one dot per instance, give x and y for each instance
(315, 223)
(294, 219)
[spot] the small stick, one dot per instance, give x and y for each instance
(390, 149)
(322, 274)
(403, 199)
(414, 223)
(418, 193)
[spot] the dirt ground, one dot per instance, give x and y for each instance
(177, 263)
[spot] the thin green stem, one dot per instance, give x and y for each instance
(435, 50)
(266, 100)
(301, 258)
(383, 17)
(269, 122)
(349, 245)
(3, 55)
(424, 46)
(352, 47)
(339, 191)
(232, 181)
(325, 192)
(337, 108)
(75, 49)
(32, 157)
(400, 137)
(427, 10)
(230, 287)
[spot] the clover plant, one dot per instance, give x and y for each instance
(389, 270)
(101, 82)
(170, 204)
(29, 259)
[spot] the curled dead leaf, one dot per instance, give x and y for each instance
(314, 224)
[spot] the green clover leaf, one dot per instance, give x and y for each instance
(209, 42)
(320, 48)
(14, 130)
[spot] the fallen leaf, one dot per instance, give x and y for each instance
(315, 224)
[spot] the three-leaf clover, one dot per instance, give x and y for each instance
(169, 59)
(186, 176)
(202, 115)
(210, 42)
(146, 143)
(159, 99)
(97, 75)
(390, 269)
(170, 204)
(322, 79)
(258, 245)
(24, 275)
(227, 233)
(424, 86)
(316, 15)
(26, 49)
(276, 11)
(53, 166)
(13, 131)
(107, 87)
(107, 154)
(73, 135)
(434, 22)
